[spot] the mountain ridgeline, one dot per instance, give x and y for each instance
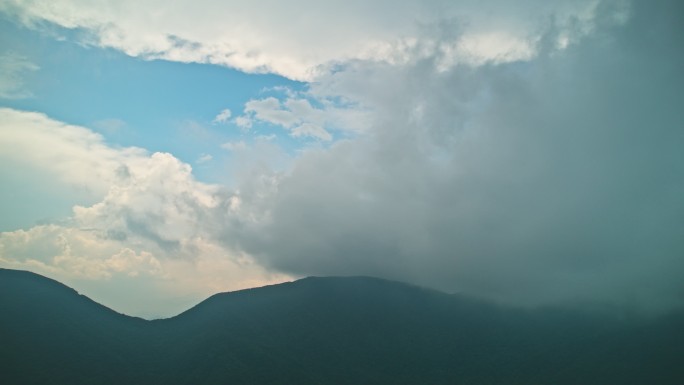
(353, 330)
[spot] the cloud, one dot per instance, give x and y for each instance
(312, 130)
(222, 117)
(75, 155)
(12, 69)
(81, 253)
(235, 146)
(150, 220)
(130, 275)
(156, 197)
(204, 158)
(557, 179)
(528, 153)
(303, 39)
(297, 115)
(270, 110)
(110, 126)
(244, 122)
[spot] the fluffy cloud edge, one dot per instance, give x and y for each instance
(151, 222)
(302, 50)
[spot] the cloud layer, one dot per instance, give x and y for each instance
(556, 179)
(301, 39)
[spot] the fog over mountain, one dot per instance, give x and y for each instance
(556, 179)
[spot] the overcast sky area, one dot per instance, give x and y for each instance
(530, 153)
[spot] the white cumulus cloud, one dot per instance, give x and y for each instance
(150, 222)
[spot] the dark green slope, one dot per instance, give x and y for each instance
(325, 331)
(51, 334)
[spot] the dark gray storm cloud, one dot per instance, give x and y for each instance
(557, 179)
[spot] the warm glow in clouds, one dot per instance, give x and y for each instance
(153, 220)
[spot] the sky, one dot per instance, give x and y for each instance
(529, 153)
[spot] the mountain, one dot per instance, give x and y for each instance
(333, 330)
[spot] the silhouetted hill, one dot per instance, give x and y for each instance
(326, 331)
(51, 334)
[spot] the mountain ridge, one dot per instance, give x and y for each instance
(325, 330)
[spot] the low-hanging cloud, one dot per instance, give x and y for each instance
(555, 179)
